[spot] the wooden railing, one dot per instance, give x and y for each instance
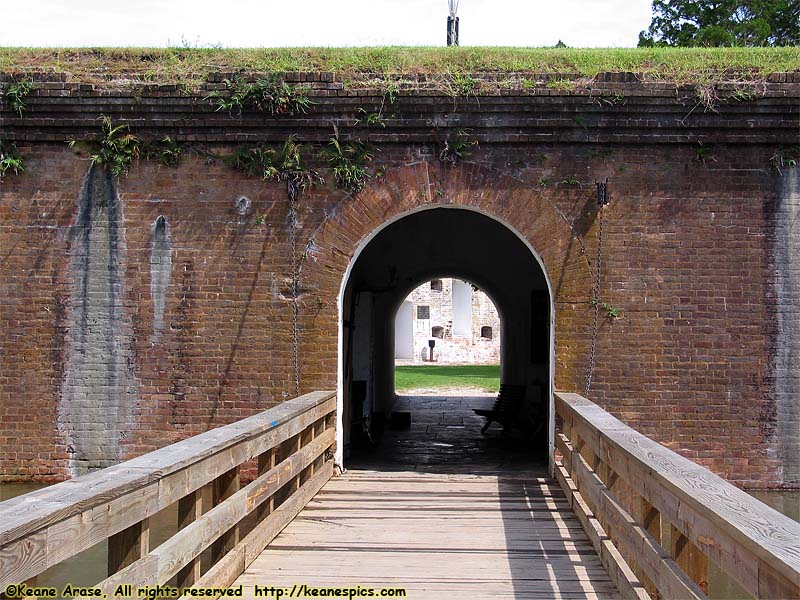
(657, 518)
(288, 447)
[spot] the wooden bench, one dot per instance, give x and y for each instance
(505, 407)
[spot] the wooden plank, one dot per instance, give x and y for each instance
(266, 462)
(128, 546)
(665, 574)
(23, 557)
(735, 530)
(79, 513)
(689, 558)
(190, 508)
(169, 558)
(225, 486)
(405, 535)
(224, 573)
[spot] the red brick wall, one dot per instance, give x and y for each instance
(687, 257)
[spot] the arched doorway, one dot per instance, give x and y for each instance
(431, 242)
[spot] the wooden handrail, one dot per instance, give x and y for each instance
(290, 443)
(667, 514)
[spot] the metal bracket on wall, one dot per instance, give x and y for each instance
(602, 193)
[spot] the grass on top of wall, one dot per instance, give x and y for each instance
(191, 65)
(480, 377)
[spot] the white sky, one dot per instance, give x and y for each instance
(249, 23)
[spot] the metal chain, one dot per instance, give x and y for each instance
(293, 192)
(595, 298)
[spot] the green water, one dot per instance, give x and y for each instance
(89, 567)
(722, 587)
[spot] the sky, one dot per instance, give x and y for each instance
(274, 23)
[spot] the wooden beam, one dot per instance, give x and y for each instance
(750, 541)
(225, 572)
(633, 540)
(266, 462)
(169, 558)
(305, 438)
(225, 487)
(190, 509)
(689, 558)
(46, 527)
(128, 546)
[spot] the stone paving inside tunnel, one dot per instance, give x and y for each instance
(445, 437)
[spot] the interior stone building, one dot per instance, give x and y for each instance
(457, 317)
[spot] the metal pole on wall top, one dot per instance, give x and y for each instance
(452, 23)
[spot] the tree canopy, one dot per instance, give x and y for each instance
(723, 23)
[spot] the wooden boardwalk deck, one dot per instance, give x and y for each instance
(505, 535)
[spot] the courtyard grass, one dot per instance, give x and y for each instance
(479, 377)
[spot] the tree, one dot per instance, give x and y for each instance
(723, 23)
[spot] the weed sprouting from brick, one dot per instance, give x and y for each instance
(269, 95)
(10, 159)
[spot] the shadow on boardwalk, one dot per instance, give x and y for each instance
(439, 510)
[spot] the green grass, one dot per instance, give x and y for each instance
(190, 65)
(484, 377)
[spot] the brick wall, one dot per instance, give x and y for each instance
(160, 305)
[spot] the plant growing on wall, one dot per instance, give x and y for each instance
(10, 159)
(167, 152)
(785, 156)
(464, 83)
(612, 312)
(348, 160)
(283, 164)
(270, 95)
(369, 119)
(115, 148)
(15, 93)
(452, 151)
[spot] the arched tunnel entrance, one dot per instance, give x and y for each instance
(417, 247)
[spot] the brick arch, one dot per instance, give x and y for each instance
(409, 188)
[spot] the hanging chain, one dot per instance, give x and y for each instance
(602, 200)
(293, 191)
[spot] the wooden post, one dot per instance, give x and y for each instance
(225, 486)
(128, 546)
(190, 508)
(648, 517)
(293, 448)
(689, 557)
(329, 423)
(319, 428)
(266, 461)
(288, 448)
(306, 437)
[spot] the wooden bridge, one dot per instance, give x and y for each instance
(622, 517)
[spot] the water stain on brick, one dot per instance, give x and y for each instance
(160, 274)
(99, 390)
(786, 362)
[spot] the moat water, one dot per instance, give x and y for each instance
(89, 567)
